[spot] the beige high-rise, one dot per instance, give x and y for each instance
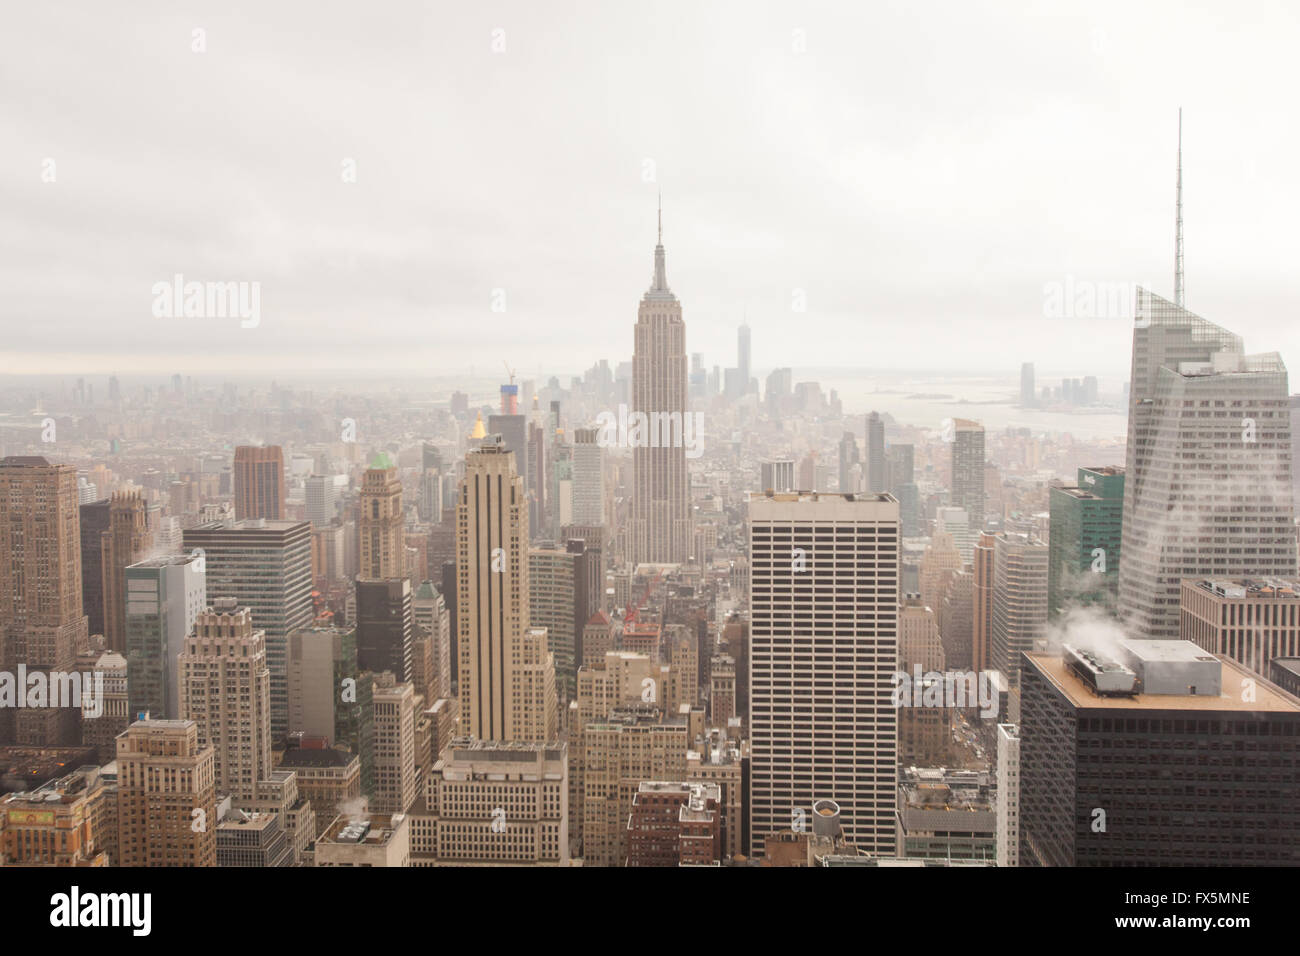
(661, 499)
(394, 729)
(226, 691)
(507, 675)
(494, 803)
(166, 780)
(632, 745)
(918, 637)
(259, 482)
(41, 620)
(383, 546)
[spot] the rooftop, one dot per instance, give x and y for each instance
(1252, 588)
(1268, 699)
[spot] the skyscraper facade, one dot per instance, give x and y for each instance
(1209, 464)
(877, 476)
(94, 522)
(41, 622)
(661, 516)
(824, 601)
(968, 470)
(266, 567)
(501, 668)
(588, 478)
(167, 784)
(226, 691)
(164, 596)
(320, 500)
(1028, 397)
(129, 539)
(1084, 557)
(383, 549)
(259, 482)
(1019, 600)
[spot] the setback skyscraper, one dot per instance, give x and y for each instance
(507, 676)
(661, 500)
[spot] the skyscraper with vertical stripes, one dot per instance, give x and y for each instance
(824, 598)
(507, 673)
(661, 500)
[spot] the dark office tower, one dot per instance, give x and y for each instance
(877, 477)
(1028, 398)
(94, 522)
(848, 465)
(743, 358)
(259, 482)
(1208, 482)
(459, 404)
(385, 627)
(824, 642)
(1019, 617)
(382, 544)
(448, 591)
(1185, 773)
(129, 539)
(164, 596)
(901, 468)
(536, 468)
(430, 457)
(266, 567)
(661, 499)
(956, 620)
(900, 460)
(1084, 543)
(40, 589)
(909, 509)
(968, 470)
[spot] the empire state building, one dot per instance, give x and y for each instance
(661, 501)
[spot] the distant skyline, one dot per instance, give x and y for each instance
(920, 191)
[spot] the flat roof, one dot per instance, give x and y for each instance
(1267, 697)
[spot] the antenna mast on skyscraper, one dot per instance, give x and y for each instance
(1178, 227)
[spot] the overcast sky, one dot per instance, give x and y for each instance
(920, 172)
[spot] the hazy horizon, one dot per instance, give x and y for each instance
(915, 193)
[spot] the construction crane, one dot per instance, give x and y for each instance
(509, 371)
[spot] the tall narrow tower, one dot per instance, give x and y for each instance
(1178, 224)
(507, 675)
(383, 547)
(661, 517)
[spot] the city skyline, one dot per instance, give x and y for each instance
(371, 498)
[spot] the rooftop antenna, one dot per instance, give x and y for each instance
(1178, 227)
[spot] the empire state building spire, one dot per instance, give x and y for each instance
(660, 283)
